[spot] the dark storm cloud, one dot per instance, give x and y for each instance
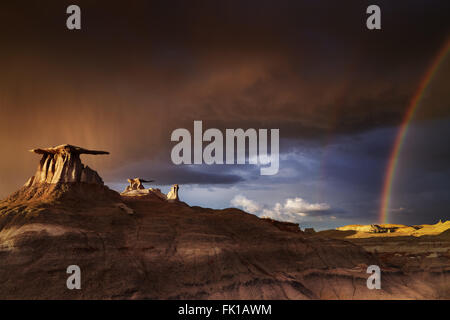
(140, 69)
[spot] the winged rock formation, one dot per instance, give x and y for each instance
(62, 164)
(61, 174)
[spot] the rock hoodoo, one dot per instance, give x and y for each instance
(136, 184)
(173, 193)
(61, 174)
(136, 188)
(62, 164)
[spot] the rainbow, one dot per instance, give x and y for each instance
(412, 107)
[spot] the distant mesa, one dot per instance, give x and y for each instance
(390, 230)
(374, 228)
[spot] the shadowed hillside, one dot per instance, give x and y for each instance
(150, 247)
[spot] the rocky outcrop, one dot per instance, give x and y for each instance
(283, 225)
(61, 174)
(356, 227)
(137, 189)
(157, 192)
(173, 193)
(136, 184)
(62, 164)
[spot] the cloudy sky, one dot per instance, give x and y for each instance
(138, 70)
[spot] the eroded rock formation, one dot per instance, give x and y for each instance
(61, 174)
(136, 188)
(62, 164)
(173, 193)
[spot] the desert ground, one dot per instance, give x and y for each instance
(142, 244)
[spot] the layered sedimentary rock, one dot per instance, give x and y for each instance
(62, 174)
(392, 230)
(172, 251)
(62, 164)
(152, 247)
(420, 250)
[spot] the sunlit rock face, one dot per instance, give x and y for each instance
(173, 193)
(61, 174)
(136, 184)
(62, 164)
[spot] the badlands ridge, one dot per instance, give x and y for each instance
(144, 244)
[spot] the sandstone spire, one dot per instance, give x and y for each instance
(62, 164)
